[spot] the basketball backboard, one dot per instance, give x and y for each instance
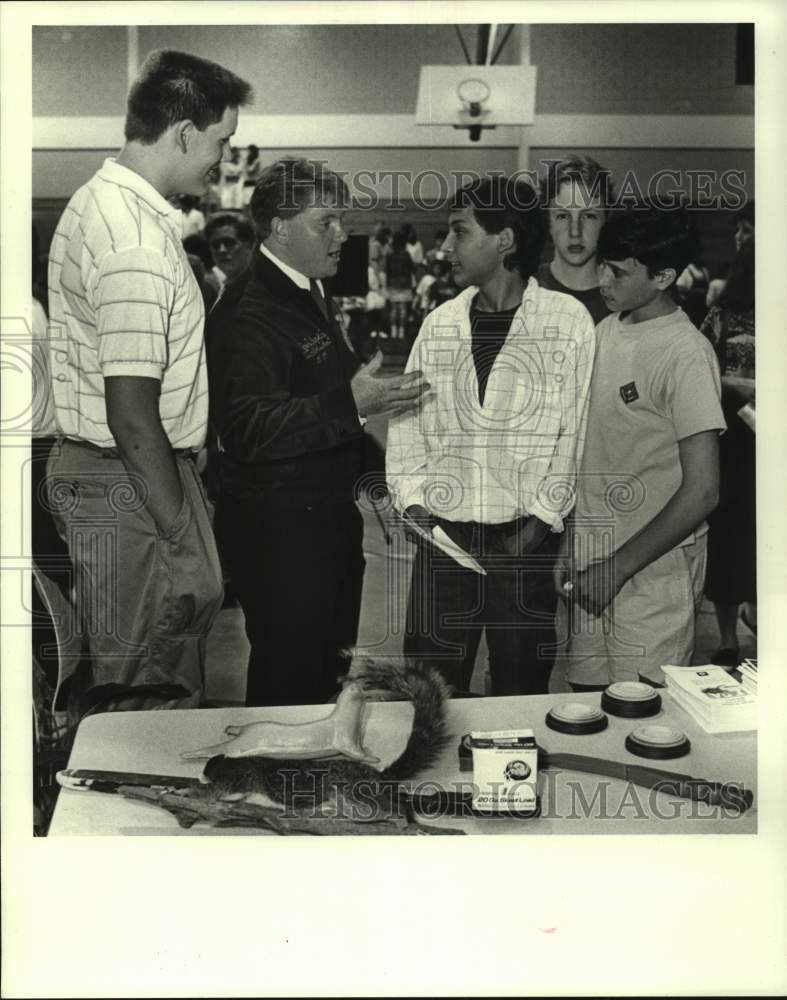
(467, 96)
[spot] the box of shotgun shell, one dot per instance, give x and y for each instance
(505, 771)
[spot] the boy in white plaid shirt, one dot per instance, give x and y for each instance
(491, 457)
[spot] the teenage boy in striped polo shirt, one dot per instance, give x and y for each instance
(130, 392)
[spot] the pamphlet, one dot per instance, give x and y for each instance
(713, 697)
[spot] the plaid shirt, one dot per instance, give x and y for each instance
(518, 453)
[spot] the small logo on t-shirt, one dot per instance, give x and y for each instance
(628, 392)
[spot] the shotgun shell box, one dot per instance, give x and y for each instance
(505, 770)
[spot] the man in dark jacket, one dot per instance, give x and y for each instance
(288, 398)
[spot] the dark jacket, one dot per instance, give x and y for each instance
(280, 393)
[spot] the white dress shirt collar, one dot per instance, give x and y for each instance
(295, 276)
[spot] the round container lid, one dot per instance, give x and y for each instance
(574, 711)
(631, 691)
(631, 700)
(658, 735)
(576, 719)
(657, 742)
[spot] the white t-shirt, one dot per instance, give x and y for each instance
(654, 383)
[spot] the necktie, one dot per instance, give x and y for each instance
(322, 305)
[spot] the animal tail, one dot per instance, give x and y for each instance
(428, 692)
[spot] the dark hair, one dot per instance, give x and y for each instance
(288, 186)
(382, 234)
(746, 214)
(584, 169)
(399, 241)
(738, 294)
(656, 237)
(177, 86)
(243, 228)
(500, 203)
(252, 153)
(197, 246)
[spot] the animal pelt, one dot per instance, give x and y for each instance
(303, 784)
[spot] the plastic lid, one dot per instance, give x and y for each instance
(574, 711)
(658, 735)
(631, 691)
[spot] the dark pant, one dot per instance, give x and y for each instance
(299, 574)
(449, 608)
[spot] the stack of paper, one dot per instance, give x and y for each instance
(714, 698)
(748, 672)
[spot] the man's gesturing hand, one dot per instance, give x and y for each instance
(391, 394)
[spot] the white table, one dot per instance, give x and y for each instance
(572, 802)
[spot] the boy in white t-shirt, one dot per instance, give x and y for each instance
(649, 473)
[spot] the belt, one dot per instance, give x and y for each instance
(114, 453)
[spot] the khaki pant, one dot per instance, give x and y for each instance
(649, 624)
(146, 600)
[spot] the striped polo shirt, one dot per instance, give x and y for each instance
(123, 300)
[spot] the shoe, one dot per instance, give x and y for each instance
(728, 658)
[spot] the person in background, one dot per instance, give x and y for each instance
(252, 165)
(380, 246)
(201, 261)
(635, 552)
(577, 192)
(193, 218)
(491, 457)
(130, 391)
(423, 298)
(375, 302)
(731, 578)
(435, 252)
(413, 245)
(290, 399)
(443, 288)
(399, 271)
(692, 288)
(231, 181)
(744, 230)
(230, 240)
(716, 285)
